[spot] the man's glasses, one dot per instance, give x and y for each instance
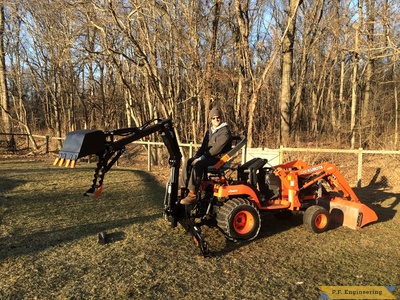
(215, 118)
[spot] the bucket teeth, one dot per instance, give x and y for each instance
(60, 163)
(56, 161)
(67, 162)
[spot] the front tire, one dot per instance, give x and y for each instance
(316, 218)
(239, 219)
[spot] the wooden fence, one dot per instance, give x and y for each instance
(274, 156)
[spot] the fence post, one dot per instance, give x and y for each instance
(47, 144)
(359, 168)
(149, 157)
(244, 153)
(190, 149)
(280, 154)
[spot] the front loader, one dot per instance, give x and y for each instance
(233, 205)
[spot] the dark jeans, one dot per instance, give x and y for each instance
(191, 175)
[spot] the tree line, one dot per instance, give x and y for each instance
(285, 72)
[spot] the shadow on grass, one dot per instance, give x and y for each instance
(376, 193)
(115, 237)
(47, 205)
(17, 245)
(7, 184)
(375, 199)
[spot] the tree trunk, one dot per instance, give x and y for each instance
(396, 105)
(245, 86)
(4, 111)
(353, 100)
(210, 62)
(286, 84)
(354, 81)
(56, 110)
(342, 113)
(367, 118)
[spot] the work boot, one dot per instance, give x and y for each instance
(183, 190)
(190, 198)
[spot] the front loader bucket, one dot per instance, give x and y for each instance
(80, 143)
(348, 213)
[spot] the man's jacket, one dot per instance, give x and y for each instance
(216, 142)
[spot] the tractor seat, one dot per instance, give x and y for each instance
(224, 167)
(226, 160)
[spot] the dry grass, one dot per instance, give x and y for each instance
(48, 249)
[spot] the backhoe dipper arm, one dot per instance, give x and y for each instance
(81, 143)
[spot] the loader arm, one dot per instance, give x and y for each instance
(332, 176)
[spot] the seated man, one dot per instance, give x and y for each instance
(217, 141)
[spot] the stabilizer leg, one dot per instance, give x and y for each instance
(189, 224)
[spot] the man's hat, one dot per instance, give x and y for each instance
(215, 112)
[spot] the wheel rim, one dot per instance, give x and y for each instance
(320, 221)
(243, 222)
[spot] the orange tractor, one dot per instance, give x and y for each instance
(232, 205)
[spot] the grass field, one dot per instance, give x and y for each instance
(49, 250)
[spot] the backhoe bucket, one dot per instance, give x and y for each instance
(80, 143)
(348, 213)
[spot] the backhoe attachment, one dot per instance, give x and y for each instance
(110, 145)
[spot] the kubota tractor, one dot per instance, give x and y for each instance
(234, 205)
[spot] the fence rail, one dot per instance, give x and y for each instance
(275, 156)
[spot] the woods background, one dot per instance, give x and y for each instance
(286, 72)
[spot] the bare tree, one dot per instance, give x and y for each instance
(111, 63)
(366, 118)
(211, 59)
(311, 33)
(17, 74)
(287, 61)
(3, 83)
(354, 81)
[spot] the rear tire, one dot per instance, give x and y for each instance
(316, 218)
(239, 219)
